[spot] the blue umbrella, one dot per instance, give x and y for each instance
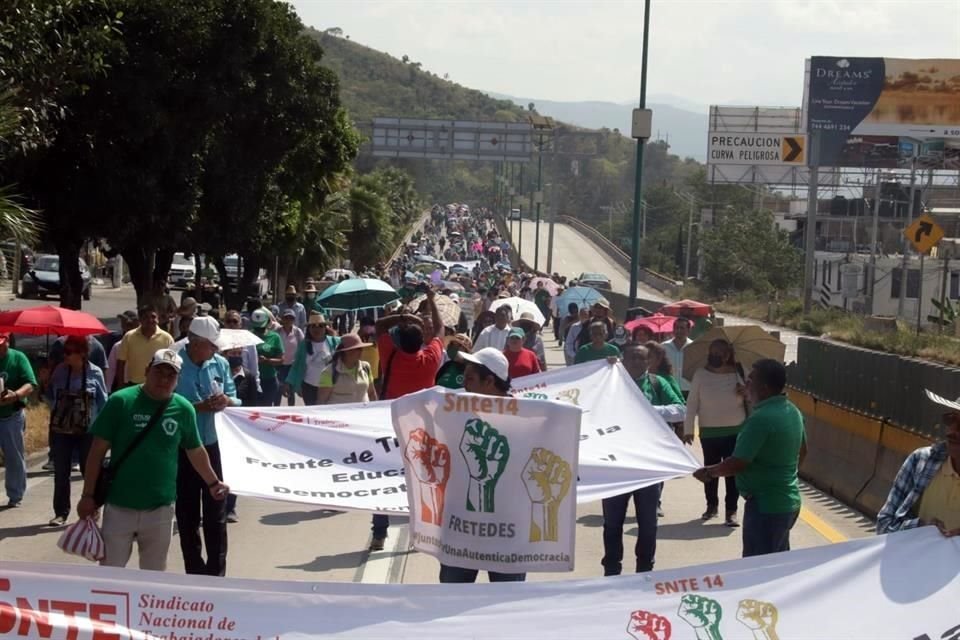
(357, 293)
(583, 297)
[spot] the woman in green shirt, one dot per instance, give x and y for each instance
(658, 363)
(450, 375)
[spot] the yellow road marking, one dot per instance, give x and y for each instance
(821, 527)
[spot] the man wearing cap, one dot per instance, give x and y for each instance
(926, 491)
(17, 383)
(496, 334)
(206, 381)
(187, 308)
(270, 356)
(488, 374)
(139, 502)
(290, 303)
(139, 345)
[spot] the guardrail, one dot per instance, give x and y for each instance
(416, 226)
(658, 281)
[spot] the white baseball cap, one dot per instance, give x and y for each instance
(205, 327)
(492, 359)
(168, 357)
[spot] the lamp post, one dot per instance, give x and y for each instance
(642, 121)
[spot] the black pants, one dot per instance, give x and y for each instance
(715, 451)
(62, 449)
(309, 393)
(615, 513)
(450, 574)
(765, 533)
(193, 498)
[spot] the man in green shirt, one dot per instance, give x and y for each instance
(598, 348)
(17, 382)
(770, 448)
(139, 504)
(270, 353)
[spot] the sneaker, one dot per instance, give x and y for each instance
(48, 465)
(731, 519)
(660, 513)
(58, 521)
(709, 514)
(13, 504)
(75, 467)
(232, 517)
(376, 544)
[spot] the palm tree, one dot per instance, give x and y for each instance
(16, 221)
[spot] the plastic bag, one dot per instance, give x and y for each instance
(83, 538)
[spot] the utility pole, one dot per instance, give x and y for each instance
(641, 126)
(551, 217)
(810, 232)
(518, 244)
(539, 199)
(902, 299)
(510, 210)
(874, 232)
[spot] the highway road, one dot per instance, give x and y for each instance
(277, 540)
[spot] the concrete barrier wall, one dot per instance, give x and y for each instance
(851, 455)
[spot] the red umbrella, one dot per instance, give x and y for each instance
(690, 308)
(46, 320)
(657, 323)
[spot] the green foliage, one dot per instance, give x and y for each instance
(16, 221)
(744, 251)
(947, 313)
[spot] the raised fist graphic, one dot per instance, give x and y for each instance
(645, 625)
(569, 395)
(760, 617)
(703, 614)
(547, 478)
(430, 462)
(486, 453)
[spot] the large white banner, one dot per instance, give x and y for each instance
(904, 586)
(348, 456)
(491, 479)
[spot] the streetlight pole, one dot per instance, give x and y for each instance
(539, 198)
(641, 132)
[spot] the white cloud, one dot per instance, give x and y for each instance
(706, 51)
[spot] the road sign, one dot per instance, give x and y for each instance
(452, 139)
(924, 233)
(756, 148)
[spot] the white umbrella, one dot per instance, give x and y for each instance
(519, 306)
(237, 339)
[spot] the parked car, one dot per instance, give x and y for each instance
(43, 279)
(182, 271)
(595, 280)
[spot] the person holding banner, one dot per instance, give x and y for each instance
(597, 348)
(645, 501)
(487, 373)
(450, 375)
(207, 382)
(411, 360)
(769, 450)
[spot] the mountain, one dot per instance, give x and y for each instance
(685, 130)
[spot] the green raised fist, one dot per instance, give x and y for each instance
(703, 614)
(486, 453)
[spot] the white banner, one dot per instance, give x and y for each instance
(490, 479)
(347, 456)
(904, 586)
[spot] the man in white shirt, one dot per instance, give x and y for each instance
(496, 334)
(674, 348)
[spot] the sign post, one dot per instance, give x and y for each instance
(923, 234)
(810, 232)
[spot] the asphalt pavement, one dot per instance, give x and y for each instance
(277, 540)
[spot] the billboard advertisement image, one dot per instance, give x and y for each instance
(865, 110)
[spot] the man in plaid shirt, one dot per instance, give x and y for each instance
(926, 490)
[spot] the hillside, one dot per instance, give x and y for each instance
(375, 84)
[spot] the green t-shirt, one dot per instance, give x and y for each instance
(660, 394)
(16, 371)
(271, 347)
(587, 353)
(769, 442)
(450, 375)
(542, 297)
(148, 478)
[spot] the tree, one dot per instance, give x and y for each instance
(744, 251)
(16, 221)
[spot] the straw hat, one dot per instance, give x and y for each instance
(526, 322)
(350, 342)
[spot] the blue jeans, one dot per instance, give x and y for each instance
(450, 574)
(380, 524)
(269, 390)
(615, 513)
(765, 533)
(11, 443)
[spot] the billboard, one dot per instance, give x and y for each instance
(868, 111)
(452, 139)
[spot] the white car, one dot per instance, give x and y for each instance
(182, 271)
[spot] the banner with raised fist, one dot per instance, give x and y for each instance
(491, 480)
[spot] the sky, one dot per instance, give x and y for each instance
(701, 52)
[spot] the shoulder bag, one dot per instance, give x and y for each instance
(109, 468)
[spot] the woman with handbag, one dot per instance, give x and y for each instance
(76, 393)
